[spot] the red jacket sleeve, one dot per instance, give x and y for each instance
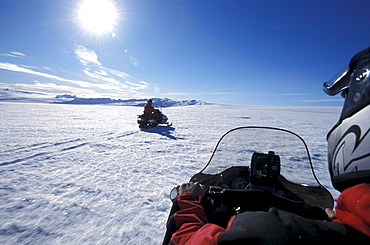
(192, 223)
(353, 208)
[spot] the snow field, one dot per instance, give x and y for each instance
(86, 174)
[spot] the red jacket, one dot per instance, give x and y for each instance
(193, 223)
(149, 110)
(353, 210)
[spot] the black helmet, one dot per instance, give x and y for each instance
(349, 139)
(149, 101)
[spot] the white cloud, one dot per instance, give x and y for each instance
(100, 81)
(141, 85)
(101, 75)
(14, 54)
(86, 56)
(105, 86)
(319, 100)
(177, 94)
(49, 89)
(112, 77)
(17, 68)
(110, 85)
(120, 74)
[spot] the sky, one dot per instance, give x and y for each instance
(251, 52)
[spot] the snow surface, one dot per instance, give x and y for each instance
(86, 174)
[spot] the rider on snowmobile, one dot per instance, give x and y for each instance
(151, 111)
(349, 166)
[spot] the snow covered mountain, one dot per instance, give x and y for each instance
(157, 102)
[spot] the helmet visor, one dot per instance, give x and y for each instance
(339, 83)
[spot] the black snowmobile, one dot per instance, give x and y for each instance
(146, 121)
(254, 169)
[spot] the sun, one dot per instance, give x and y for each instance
(98, 16)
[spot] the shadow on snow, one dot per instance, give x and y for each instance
(162, 130)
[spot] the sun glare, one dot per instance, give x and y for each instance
(98, 15)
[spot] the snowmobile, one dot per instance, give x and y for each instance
(254, 169)
(146, 121)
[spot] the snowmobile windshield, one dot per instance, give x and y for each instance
(236, 148)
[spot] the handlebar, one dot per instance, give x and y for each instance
(231, 202)
(238, 201)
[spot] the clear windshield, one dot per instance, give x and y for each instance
(236, 147)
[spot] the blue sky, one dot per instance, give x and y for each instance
(253, 52)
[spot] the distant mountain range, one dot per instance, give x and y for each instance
(159, 102)
(11, 95)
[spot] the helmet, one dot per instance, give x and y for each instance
(349, 139)
(149, 101)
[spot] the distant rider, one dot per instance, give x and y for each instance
(151, 111)
(349, 167)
